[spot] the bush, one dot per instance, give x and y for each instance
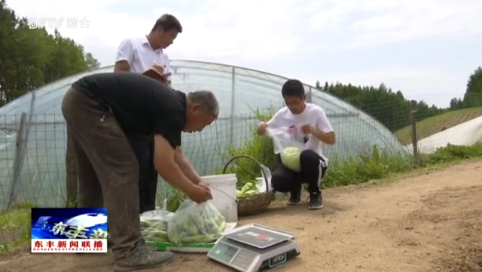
(453, 153)
(258, 147)
(365, 167)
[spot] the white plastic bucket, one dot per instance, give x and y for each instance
(223, 189)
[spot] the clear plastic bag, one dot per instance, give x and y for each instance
(154, 224)
(287, 147)
(195, 223)
(282, 138)
(261, 182)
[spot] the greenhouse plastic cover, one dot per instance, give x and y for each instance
(239, 91)
(468, 133)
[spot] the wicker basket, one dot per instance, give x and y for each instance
(256, 204)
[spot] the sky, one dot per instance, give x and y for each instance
(426, 49)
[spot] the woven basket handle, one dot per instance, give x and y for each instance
(255, 160)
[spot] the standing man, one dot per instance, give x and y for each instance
(100, 110)
(138, 55)
(308, 124)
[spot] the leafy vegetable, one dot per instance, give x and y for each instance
(154, 230)
(290, 157)
(250, 188)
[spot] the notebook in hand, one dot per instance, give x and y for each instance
(153, 73)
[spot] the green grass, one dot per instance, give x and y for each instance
(15, 227)
(435, 124)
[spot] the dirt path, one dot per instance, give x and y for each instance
(431, 222)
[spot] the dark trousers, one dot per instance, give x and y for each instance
(313, 169)
(107, 166)
(143, 148)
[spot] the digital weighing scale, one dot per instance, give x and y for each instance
(253, 248)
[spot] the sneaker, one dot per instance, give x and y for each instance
(295, 197)
(316, 201)
(143, 258)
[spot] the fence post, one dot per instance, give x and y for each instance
(233, 104)
(309, 96)
(17, 162)
(71, 176)
(413, 120)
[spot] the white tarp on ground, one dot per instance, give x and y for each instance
(468, 133)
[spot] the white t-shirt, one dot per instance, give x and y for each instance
(313, 115)
(140, 55)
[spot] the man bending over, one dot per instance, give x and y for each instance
(100, 110)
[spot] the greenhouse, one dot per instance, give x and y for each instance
(33, 171)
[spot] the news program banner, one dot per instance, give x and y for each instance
(69, 230)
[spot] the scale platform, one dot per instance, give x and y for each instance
(253, 248)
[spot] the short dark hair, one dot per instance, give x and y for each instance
(293, 87)
(168, 22)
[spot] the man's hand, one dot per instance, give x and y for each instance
(307, 129)
(157, 72)
(158, 68)
(262, 128)
(327, 138)
(199, 194)
(162, 76)
(204, 184)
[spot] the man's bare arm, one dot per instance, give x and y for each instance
(327, 138)
(122, 66)
(186, 166)
(124, 56)
(167, 167)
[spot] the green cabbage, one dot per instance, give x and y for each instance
(290, 157)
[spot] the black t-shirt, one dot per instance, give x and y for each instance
(141, 105)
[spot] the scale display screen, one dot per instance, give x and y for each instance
(225, 252)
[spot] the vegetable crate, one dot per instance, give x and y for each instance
(253, 204)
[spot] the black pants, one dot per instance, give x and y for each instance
(313, 169)
(143, 148)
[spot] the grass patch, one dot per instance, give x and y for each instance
(435, 124)
(15, 226)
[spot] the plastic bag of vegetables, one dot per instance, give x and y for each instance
(287, 147)
(195, 223)
(154, 225)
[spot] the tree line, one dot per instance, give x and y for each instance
(31, 58)
(392, 109)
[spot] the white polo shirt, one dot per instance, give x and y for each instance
(140, 55)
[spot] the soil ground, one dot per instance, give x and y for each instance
(429, 222)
